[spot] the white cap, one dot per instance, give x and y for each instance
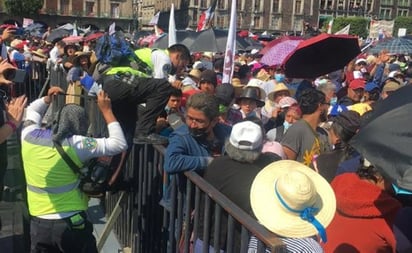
(361, 60)
(254, 51)
(392, 74)
(246, 135)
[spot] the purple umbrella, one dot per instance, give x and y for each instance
(276, 54)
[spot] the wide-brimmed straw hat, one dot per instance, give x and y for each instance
(39, 52)
(292, 200)
(79, 54)
(278, 87)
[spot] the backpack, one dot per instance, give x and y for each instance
(113, 50)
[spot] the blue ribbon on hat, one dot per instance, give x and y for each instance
(306, 214)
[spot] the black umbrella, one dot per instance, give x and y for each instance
(185, 37)
(321, 55)
(57, 34)
(386, 138)
(214, 40)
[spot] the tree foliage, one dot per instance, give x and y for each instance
(23, 7)
(358, 25)
(403, 22)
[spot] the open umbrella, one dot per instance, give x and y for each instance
(73, 39)
(321, 55)
(214, 40)
(57, 34)
(386, 139)
(185, 37)
(393, 45)
(278, 53)
(277, 41)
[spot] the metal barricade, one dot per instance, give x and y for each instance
(147, 224)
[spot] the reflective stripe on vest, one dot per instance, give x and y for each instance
(54, 190)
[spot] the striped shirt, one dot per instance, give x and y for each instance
(292, 245)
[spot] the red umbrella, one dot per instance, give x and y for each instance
(73, 39)
(321, 55)
(93, 36)
(277, 41)
(278, 53)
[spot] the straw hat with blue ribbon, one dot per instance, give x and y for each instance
(292, 200)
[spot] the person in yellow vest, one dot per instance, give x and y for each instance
(56, 204)
(149, 79)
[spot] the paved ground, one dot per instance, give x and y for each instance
(14, 215)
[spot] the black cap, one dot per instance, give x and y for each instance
(225, 93)
(208, 76)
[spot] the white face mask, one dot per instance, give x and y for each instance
(333, 101)
(286, 125)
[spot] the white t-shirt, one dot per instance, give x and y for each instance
(162, 66)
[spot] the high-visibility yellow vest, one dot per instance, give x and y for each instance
(144, 66)
(52, 186)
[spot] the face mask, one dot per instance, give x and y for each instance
(198, 133)
(286, 125)
(333, 101)
(279, 78)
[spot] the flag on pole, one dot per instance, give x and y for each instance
(155, 19)
(206, 17)
(75, 30)
(172, 26)
(330, 24)
(230, 46)
(112, 28)
(344, 30)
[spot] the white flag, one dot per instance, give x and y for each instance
(74, 33)
(112, 28)
(172, 26)
(155, 19)
(230, 46)
(344, 30)
(330, 24)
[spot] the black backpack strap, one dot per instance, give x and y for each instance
(66, 158)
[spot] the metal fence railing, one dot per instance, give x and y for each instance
(144, 222)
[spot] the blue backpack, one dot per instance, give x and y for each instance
(113, 50)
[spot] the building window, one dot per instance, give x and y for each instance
(275, 6)
(115, 10)
(385, 13)
(239, 5)
(326, 4)
(298, 6)
(275, 24)
(341, 4)
(195, 2)
(258, 5)
(256, 22)
(89, 8)
(64, 7)
(203, 4)
(221, 4)
(386, 2)
(220, 21)
(194, 16)
(403, 12)
(403, 3)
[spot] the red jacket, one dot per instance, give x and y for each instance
(363, 219)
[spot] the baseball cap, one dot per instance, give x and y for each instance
(246, 135)
(357, 84)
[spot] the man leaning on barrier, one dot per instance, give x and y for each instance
(148, 78)
(56, 204)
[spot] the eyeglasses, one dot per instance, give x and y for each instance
(198, 122)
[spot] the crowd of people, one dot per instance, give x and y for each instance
(278, 147)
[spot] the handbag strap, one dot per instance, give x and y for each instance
(66, 158)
